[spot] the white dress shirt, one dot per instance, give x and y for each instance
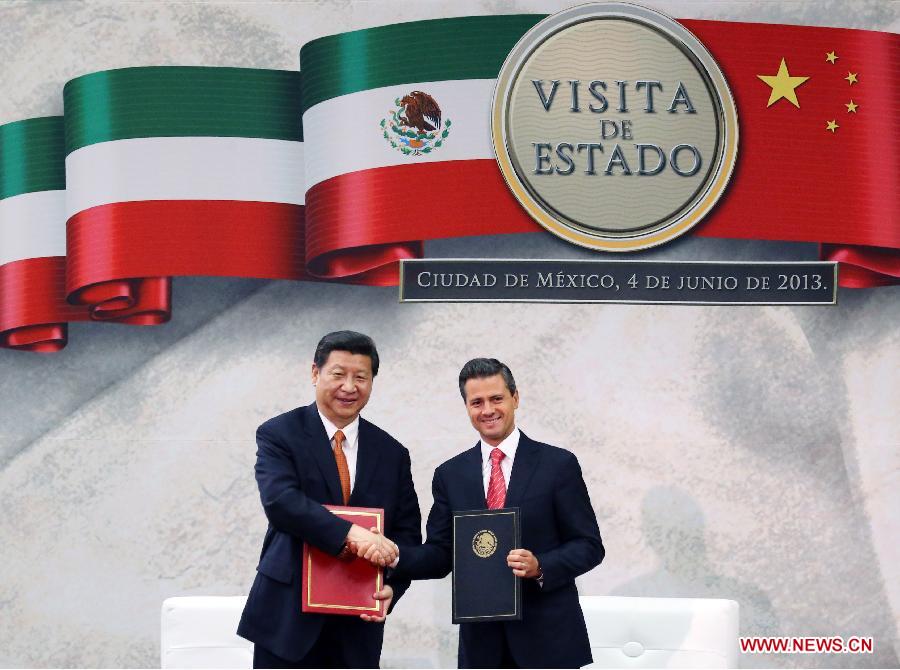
(508, 447)
(351, 442)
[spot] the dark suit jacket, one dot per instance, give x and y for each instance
(297, 474)
(558, 526)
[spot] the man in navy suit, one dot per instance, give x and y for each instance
(559, 529)
(326, 454)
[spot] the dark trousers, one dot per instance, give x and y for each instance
(506, 660)
(262, 658)
(335, 648)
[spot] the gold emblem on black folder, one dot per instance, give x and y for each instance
(484, 543)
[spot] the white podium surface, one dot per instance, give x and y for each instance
(661, 632)
(199, 632)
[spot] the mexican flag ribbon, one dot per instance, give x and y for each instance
(33, 310)
(155, 172)
(179, 171)
(367, 188)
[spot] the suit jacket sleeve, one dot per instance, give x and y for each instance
(287, 507)
(434, 559)
(406, 528)
(581, 548)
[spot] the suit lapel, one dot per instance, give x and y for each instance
(528, 458)
(366, 459)
(471, 483)
(320, 448)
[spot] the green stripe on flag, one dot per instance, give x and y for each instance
(182, 102)
(471, 47)
(32, 157)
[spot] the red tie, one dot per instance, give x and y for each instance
(496, 493)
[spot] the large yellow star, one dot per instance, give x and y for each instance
(783, 85)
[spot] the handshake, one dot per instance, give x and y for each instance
(370, 545)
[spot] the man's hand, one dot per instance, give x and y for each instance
(372, 546)
(387, 595)
(386, 548)
(523, 563)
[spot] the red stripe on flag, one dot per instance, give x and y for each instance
(33, 307)
(381, 215)
(158, 238)
(121, 255)
(358, 220)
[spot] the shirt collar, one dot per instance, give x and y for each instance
(351, 430)
(508, 447)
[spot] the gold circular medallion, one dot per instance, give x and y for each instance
(614, 127)
(484, 543)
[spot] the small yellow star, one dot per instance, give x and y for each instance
(830, 57)
(851, 77)
(851, 106)
(832, 126)
(783, 85)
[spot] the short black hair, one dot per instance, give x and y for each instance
(485, 367)
(346, 340)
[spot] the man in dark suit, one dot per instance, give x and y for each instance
(326, 454)
(508, 469)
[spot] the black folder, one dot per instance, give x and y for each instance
(484, 586)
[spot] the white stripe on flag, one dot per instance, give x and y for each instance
(185, 168)
(343, 135)
(32, 225)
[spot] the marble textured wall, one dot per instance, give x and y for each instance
(748, 453)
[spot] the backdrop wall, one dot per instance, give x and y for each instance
(750, 453)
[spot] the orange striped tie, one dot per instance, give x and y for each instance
(343, 469)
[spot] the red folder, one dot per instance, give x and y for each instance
(334, 586)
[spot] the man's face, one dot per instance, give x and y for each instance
(343, 385)
(492, 408)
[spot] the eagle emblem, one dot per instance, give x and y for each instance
(484, 544)
(415, 126)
